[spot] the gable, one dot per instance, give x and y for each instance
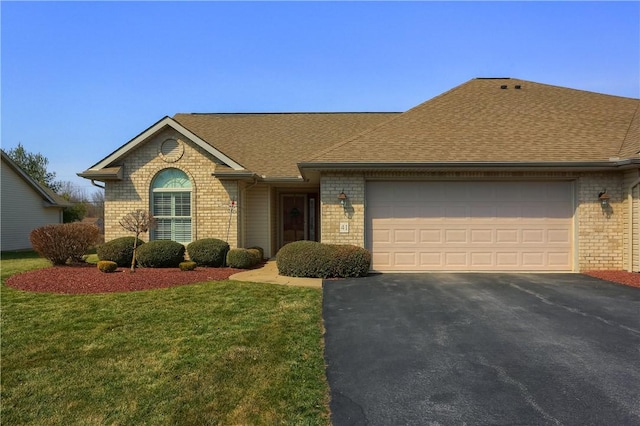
(107, 168)
(48, 197)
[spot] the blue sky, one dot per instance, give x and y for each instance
(79, 79)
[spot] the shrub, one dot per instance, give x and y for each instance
(351, 261)
(187, 266)
(64, 242)
(260, 249)
(242, 258)
(305, 259)
(161, 254)
(317, 260)
(257, 254)
(107, 266)
(91, 258)
(119, 250)
(208, 252)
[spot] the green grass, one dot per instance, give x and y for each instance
(210, 353)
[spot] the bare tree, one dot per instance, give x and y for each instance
(137, 221)
(97, 202)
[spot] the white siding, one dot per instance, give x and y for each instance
(257, 219)
(22, 211)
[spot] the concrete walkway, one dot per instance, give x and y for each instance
(269, 274)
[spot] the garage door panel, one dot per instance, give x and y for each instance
(452, 236)
(470, 226)
(430, 236)
(508, 260)
(431, 259)
(405, 258)
(507, 236)
(532, 236)
(482, 259)
(402, 236)
(482, 236)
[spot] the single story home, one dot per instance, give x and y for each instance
(497, 174)
(26, 205)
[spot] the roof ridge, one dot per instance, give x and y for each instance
(289, 113)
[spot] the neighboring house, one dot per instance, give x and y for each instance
(493, 175)
(25, 206)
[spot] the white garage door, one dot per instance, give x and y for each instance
(470, 226)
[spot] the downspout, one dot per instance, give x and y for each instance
(630, 224)
(93, 182)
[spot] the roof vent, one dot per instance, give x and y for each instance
(518, 87)
(504, 86)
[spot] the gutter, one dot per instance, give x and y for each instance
(283, 179)
(470, 164)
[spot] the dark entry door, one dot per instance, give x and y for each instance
(294, 223)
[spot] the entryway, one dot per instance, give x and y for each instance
(298, 217)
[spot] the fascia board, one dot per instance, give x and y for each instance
(586, 165)
(142, 137)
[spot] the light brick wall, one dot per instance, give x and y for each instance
(631, 233)
(210, 196)
(333, 214)
(600, 231)
(599, 235)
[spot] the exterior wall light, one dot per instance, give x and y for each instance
(603, 197)
(342, 197)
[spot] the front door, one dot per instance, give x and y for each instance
(294, 218)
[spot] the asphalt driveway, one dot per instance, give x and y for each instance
(482, 349)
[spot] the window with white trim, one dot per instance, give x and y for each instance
(171, 206)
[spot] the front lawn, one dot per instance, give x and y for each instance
(209, 353)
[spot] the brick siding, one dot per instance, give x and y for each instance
(599, 234)
(210, 196)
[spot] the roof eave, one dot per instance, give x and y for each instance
(234, 175)
(306, 167)
(110, 173)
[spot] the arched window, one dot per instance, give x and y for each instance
(171, 206)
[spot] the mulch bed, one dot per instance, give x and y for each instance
(83, 279)
(621, 277)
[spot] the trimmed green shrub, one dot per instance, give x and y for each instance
(119, 250)
(208, 252)
(187, 266)
(160, 254)
(351, 261)
(257, 254)
(64, 242)
(317, 260)
(242, 258)
(305, 259)
(260, 249)
(107, 266)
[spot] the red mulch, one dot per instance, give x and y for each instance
(621, 277)
(83, 279)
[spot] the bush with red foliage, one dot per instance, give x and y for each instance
(64, 242)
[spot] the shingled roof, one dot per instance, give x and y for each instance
(501, 120)
(271, 144)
